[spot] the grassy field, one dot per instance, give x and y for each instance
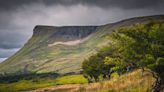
(41, 82)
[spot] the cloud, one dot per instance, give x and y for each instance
(4, 53)
(2, 59)
(126, 4)
(11, 39)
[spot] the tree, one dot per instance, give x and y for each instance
(94, 66)
(143, 45)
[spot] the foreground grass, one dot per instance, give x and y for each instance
(41, 82)
(131, 82)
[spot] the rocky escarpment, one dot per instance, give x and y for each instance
(65, 33)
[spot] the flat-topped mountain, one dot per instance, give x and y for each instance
(63, 49)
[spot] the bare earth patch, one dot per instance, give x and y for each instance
(59, 88)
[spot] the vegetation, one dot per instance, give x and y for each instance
(27, 84)
(15, 78)
(130, 82)
(137, 46)
(94, 67)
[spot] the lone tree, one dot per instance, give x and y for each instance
(143, 45)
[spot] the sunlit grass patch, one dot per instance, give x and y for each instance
(72, 79)
(41, 82)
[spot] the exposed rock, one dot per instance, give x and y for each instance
(65, 33)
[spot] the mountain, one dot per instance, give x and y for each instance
(63, 49)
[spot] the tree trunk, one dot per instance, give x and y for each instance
(157, 86)
(142, 71)
(104, 77)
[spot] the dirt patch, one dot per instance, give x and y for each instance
(59, 88)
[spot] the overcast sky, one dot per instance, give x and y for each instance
(19, 17)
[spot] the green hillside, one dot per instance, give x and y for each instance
(40, 54)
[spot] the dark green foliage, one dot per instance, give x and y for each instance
(94, 66)
(146, 46)
(14, 78)
(141, 44)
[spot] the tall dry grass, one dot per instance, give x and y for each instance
(130, 82)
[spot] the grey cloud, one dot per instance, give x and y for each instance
(2, 59)
(4, 53)
(11, 4)
(12, 38)
(5, 18)
(123, 4)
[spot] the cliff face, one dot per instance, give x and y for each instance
(63, 49)
(66, 33)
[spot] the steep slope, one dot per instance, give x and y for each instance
(62, 49)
